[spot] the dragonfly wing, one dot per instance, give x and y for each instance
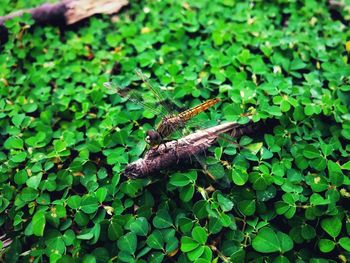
(157, 93)
(135, 97)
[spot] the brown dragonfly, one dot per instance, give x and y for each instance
(173, 122)
(170, 122)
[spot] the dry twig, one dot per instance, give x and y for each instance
(68, 12)
(179, 152)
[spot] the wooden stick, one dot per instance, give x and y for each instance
(68, 12)
(179, 152)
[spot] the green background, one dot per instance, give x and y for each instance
(64, 140)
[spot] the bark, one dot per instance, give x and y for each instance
(68, 12)
(180, 152)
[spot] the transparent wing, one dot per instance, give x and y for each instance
(156, 92)
(136, 97)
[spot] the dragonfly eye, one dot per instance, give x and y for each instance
(153, 138)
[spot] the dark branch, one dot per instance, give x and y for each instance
(178, 152)
(69, 11)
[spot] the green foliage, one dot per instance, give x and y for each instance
(281, 195)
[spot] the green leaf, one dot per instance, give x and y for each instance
(179, 179)
(156, 257)
(21, 177)
(13, 143)
(59, 146)
(319, 164)
(281, 259)
(86, 234)
(187, 192)
(162, 219)
(155, 240)
(247, 207)
(332, 226)
(188, 244)
(29, 194)
(207, 255)
(281, 207)
(101, 194)
(346, 166)
(183, 179)
(311, 152)
(200, 235)
(200, 209)
(89, 204)
(308, 232)
(89, 259)
(345, 243)
(115, 230)
(195, 253)
(34, 181)
(336, 175)
(69, 237)
(140, 226)
(225, 203)
(55, 244)
(215, 225)
(39, 223)
(285, 106)
(19, 157)
(74, 201)
(37, 140)
(326, 245)
(216, 170)
(132, 188)
(128, 243)
(317, 199)
(254, 147)
(268, 241)
(172, 245)
(125, 256)
(185, 224)
(239, 177)
(30, 107)
(18, 119)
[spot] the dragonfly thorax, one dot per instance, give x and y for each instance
(165, 128)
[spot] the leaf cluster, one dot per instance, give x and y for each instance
(280, 196)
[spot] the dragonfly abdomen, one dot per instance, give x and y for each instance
(188, 114)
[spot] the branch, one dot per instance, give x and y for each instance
(68, 12)
(179, 152)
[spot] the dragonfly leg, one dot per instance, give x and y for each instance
(164, 142)
(176, 152)
(156, 147)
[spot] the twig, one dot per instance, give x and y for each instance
(179, 152)
(68, 12)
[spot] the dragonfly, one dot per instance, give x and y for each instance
(170, 122)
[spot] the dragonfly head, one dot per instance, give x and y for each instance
(153, 138)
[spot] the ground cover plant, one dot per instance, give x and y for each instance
(64, 140)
